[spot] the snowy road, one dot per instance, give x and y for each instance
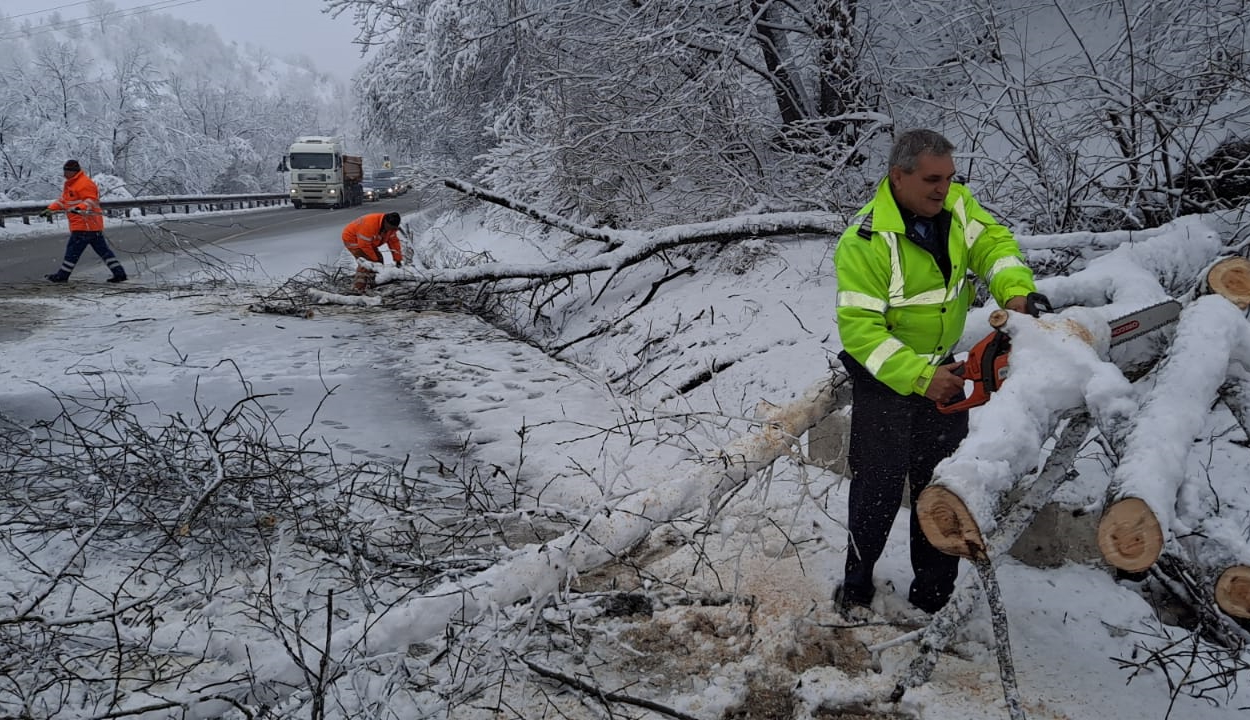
(199, 348)
(155, 248)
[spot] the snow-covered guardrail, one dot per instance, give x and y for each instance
(156, 204)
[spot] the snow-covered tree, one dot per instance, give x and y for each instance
(1071, 114)
(163, 104)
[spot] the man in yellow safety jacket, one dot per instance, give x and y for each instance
(903, 298)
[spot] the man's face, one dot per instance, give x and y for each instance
(924, 189)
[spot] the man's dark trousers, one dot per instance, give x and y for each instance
(895, 437)
(79, 240)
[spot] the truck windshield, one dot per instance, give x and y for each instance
(312, 161)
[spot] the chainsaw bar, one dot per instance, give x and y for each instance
(1140, 322)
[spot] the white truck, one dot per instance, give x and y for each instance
(322, 175)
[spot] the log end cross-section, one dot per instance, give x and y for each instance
(947, 523)
(1129, 535)
(1232, 591)
(1230, 277)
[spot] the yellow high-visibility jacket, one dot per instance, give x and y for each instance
(897, 315)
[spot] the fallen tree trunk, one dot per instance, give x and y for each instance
(1056, 369)
(1141, 507)
(739, 228)
(947, 621)
(1137, 274)
(1134, 276)
(539, 571)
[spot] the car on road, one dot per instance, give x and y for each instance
(392, 182)
(378, 188)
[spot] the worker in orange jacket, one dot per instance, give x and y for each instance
(80, 201)
(364, 237)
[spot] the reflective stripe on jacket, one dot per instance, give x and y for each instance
(80, 201)
(897, 315)
(364, 235)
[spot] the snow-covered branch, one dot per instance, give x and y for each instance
(539, 571)
(1139, 273)
(624, 247)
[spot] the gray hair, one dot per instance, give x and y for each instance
(909, 146)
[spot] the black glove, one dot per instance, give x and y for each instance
(1036, 303)
(45, 214)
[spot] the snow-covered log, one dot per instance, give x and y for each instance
(1057, 367)
(1141, 504)
(1144, 512)
(1112, 239)
(735, 228)
(539, 571)
(947, 621)
(1138, 274)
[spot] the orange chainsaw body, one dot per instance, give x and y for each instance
(985, 368)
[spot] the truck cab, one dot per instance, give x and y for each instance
(322, 175)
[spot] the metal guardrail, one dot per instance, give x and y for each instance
(155, 204)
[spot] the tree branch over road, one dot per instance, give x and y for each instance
(624, 247)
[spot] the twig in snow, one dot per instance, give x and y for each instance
(606, 695)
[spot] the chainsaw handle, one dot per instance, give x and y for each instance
(979, 397)
(980, 394)
(1036, 303)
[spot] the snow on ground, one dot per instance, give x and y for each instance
(714, 619)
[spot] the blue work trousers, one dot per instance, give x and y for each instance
(78, 243)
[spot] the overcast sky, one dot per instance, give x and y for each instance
(285, 27)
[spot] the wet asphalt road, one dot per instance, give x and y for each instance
(172, 246)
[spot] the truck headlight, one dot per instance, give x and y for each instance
(332, 191)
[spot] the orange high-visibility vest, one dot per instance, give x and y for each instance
(80, 201)
(364, 235)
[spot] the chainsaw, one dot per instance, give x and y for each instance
(986, 366)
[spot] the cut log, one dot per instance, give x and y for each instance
(1129, 535)
(1053, 361)
(1215, 555)
(1230, 278)
(1197, 592)
(948, 524)
(1141, 499)
(947, 621)
(1232, 591)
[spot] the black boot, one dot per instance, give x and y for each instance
(58, 277)
(119, 276)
